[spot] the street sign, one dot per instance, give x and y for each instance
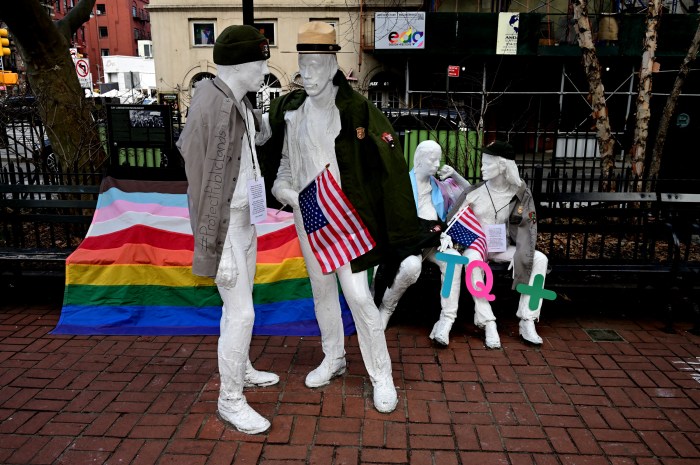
(453, 71)
(82, 69)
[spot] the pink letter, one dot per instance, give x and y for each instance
(480, 290)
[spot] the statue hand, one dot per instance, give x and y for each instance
(288, 197)
(445, 242)
(227, 273)
(445, 172)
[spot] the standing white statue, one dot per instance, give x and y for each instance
(218, 146)
(433, 200)
(503, 198)
(330, 125)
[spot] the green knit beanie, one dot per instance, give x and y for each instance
(240, 44)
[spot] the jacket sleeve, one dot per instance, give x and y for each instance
(525, 240)
(193, 147)
(284, 172)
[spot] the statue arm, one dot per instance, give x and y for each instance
(448, 172)
(282, 187)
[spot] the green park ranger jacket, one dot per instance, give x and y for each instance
(373, 171)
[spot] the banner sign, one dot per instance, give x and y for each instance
(399, 30)
(507, 40)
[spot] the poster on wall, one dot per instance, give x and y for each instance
(399, 30)
(139, 125)
(507, 41)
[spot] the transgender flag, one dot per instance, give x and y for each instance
(336, 233)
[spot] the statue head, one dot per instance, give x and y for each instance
(316, 44)
(241, 54)
(426, 159)
(498, 159)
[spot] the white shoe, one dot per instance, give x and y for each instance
(325, 372)
(385, 315)
(528, 332)
(385, 397)
(243, 418)
(493, 341)
(441, 332)
(255, 378)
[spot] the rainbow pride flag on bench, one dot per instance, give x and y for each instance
(131, 275)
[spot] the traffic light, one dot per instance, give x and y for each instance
(5, 42)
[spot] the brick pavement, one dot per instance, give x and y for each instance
(151, 400)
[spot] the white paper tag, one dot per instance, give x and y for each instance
(496, 237)
(257, 200)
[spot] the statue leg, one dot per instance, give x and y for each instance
(483, 314)
(407, 275)
(449, 304)
(236, 328)
(328, 315)
(370, 335)
(529, 317)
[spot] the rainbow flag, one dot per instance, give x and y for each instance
(132, 273)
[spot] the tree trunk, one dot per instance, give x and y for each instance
(65, 112)
(596, 90)
(670, 106)
(641, 130)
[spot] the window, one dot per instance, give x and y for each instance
(203, 33)
(137, 34)
(104, 52)
(101, 8)
(134, 13)
(268, 29)
(103, 31)
(58, 6)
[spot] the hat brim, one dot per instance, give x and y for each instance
(318, 48)
(488, 151)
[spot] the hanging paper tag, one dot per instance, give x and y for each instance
(496, 237)
(257, 200)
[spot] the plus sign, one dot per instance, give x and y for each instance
(536, 292)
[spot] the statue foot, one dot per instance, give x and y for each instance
(528, 332)
(325, 372)
(441, 332)
(241, 416)
(255, 378)
(384, 396)
(493, 341)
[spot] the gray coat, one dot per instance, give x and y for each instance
(210, 144)
(522, 230)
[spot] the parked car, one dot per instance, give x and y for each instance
(20, 108)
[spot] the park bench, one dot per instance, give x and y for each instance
(40, 225)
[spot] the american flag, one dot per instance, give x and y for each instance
(466, 230)
(336, 233)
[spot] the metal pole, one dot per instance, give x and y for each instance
(248, 17)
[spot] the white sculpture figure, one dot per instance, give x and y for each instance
(503, 198)
(329, 124)
(433, 201)
(218, 146)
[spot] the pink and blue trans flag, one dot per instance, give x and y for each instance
(336, 232)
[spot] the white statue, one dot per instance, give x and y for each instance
(504, 199)
(329, 124)
(433, 201)
(218, 146)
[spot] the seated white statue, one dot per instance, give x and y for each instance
(504, 198)
(433, 200)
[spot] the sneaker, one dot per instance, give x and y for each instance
(243, 418)
(255, 378)
(493, 341)
(324, 373)
(528, 332)
(441, 332)
(385, 397)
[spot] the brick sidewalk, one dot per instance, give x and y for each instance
(152, 400)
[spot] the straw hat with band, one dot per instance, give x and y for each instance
(317, 37)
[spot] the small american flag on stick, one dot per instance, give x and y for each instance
(466, 230)
(336, 233)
